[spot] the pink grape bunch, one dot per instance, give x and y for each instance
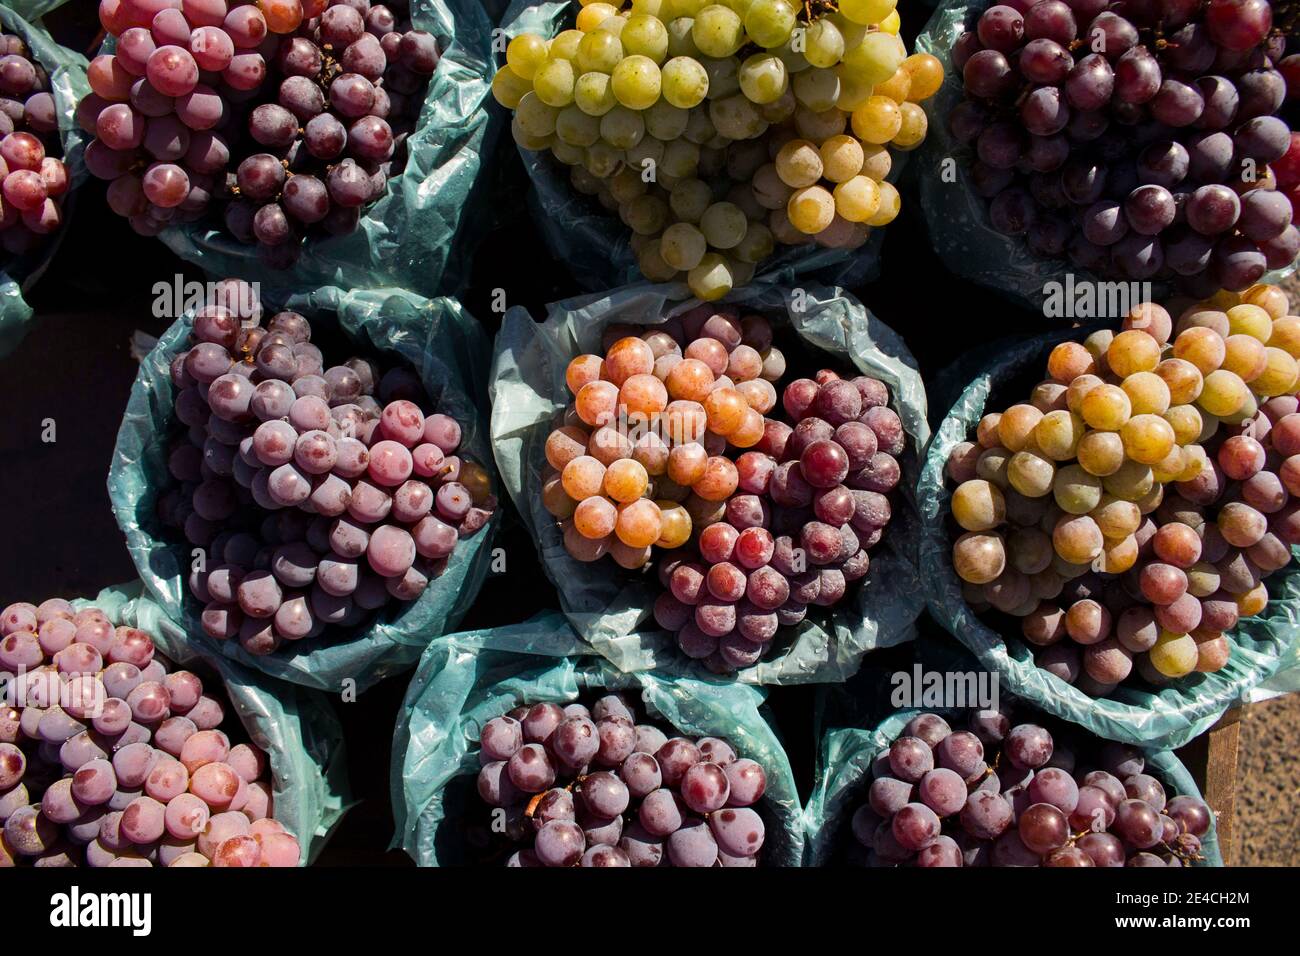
(1126, 516)
(32, 182)
(319, 493)
(811, 500)
(593, 787)
(995, 794)
(110, 758)
(1134, 139)
(278, 115)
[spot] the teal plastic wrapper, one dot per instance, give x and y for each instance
(411, 237)
(844, 774)
(594, 243)
(30, 10)
(607, 605)
(449, 350)
(956, 216)
(296, 728)
(1136, 713)
(68, 85)
(464, 680)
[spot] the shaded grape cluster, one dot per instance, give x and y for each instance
(719, 132)
(108, 757)
(319, 493)
(593, 787)
(279, 116)
(32, 182)
(995, 794)
(811, 500)
(1134, 139)
(1129, 513)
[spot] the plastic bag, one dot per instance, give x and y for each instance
(1165, 717)
(405, 239)
(464, 680)
(594, 243)
(68, 85)
(30, 10)
(449, 350)
(956, 216)
(296, 728)
(844, 773)
(606, 604)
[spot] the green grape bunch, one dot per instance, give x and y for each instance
(718, 131)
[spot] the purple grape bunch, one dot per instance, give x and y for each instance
(32, 181)
(998, 794)
(108, 757)
(811, 500)
(318, 493)
(592, 787)
(284, 118)
(1133, 139)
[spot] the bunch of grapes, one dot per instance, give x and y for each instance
(180, 124)
(1133, 138)
(640, 459)
(717, 135)
(348, 98)
(314, 502)
(592, 787)
(107, 758)
(1132, 509)
(813, 501)
(998, 795)
(32, 183)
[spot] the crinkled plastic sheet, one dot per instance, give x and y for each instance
(594, 243)
(607, 604)
(1136, 713)
(412, 237)
(464, 680)
(956, 216)
(67, 70)
(297, 728)
(449, 350)
(844, 774)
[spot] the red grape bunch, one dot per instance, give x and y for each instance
(810, 500)
(592, 787)
(185, 121)
(1002, 795)
(348, 92)
(109, 758)
(1134, 139)
(316, 501)
(32, 182)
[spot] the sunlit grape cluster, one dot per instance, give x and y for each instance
(1130, 511)
(285, 117)
(592, 787)
(316, 502)
(668, 443)
(1002, 795)
(1136, 139)
(32, 181)
(719, 132)
(639, 458)
(108, 757)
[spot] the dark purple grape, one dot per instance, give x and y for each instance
(1090, 84)
(1045, 61)
(1149, 209)
(987, 74)
(1137, 76)
(1012, 211)
(1043, 112)
(1001, 28)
